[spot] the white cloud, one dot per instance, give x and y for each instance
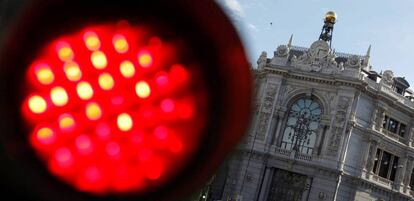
(235, 7)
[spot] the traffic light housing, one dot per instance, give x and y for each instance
(171, 39)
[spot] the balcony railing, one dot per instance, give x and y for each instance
(292, 154)
(381, 180)
(303, 156)
(283, 152)
(393, 135)
(302, 149)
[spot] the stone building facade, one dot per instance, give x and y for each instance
(325, 127)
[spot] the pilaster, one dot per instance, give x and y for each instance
(371, 158)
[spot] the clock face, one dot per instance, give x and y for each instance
(319, 49)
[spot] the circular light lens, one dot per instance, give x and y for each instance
(72, 71)
(127, 69)
(37, 104)
(142, 89)
(59, 96)
(99, 60)
(84, 90)
(44, 74)
(103, 120)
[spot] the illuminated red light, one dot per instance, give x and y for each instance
(45, 135)
(167, 105)
(145, 59)
(83, 144)
(104, 119)
(64, 157)
(162, 79)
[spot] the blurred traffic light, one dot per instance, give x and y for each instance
(119, 100)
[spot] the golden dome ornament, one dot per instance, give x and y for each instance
(330, 16)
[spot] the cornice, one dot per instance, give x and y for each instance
(337, 81)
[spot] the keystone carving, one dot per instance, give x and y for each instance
(319, 58)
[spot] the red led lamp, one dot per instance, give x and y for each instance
(111, 109)
(125, 99)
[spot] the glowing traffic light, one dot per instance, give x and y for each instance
(104, 75)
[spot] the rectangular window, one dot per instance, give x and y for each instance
(385, 164)
(392, 125)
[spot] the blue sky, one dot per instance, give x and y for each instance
(388, 25)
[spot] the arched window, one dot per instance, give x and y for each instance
(301, 125)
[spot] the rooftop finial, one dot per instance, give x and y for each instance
(365, 62)
(290, 41)
(327, 29)
(368, 52)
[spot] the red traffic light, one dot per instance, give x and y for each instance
(113, 108)
(130, 99)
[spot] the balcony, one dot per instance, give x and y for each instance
(281, 152)
(393, 136)
(302, 156)
(381, 180)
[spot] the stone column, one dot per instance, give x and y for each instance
(325, 125)
(318, 139)
(279, 133)
(409, 134)
(373, 122)
(265, 185)
(407, 176)
(380, 120)
(271, 133)
(366, 155)
(370, 161)
(344, 145)
(399, 181)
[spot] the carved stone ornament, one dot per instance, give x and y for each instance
(343, 103)
(261, 62)
(282, 51)
(288, 89)
(294, 59)
(387, 77)
(341, 66)
(322, 196)
(319, 58)
(353, 62)
(339, 125)
(265, 112)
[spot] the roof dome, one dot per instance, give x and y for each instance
(401, 82)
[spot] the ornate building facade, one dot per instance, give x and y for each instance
(325, 127)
